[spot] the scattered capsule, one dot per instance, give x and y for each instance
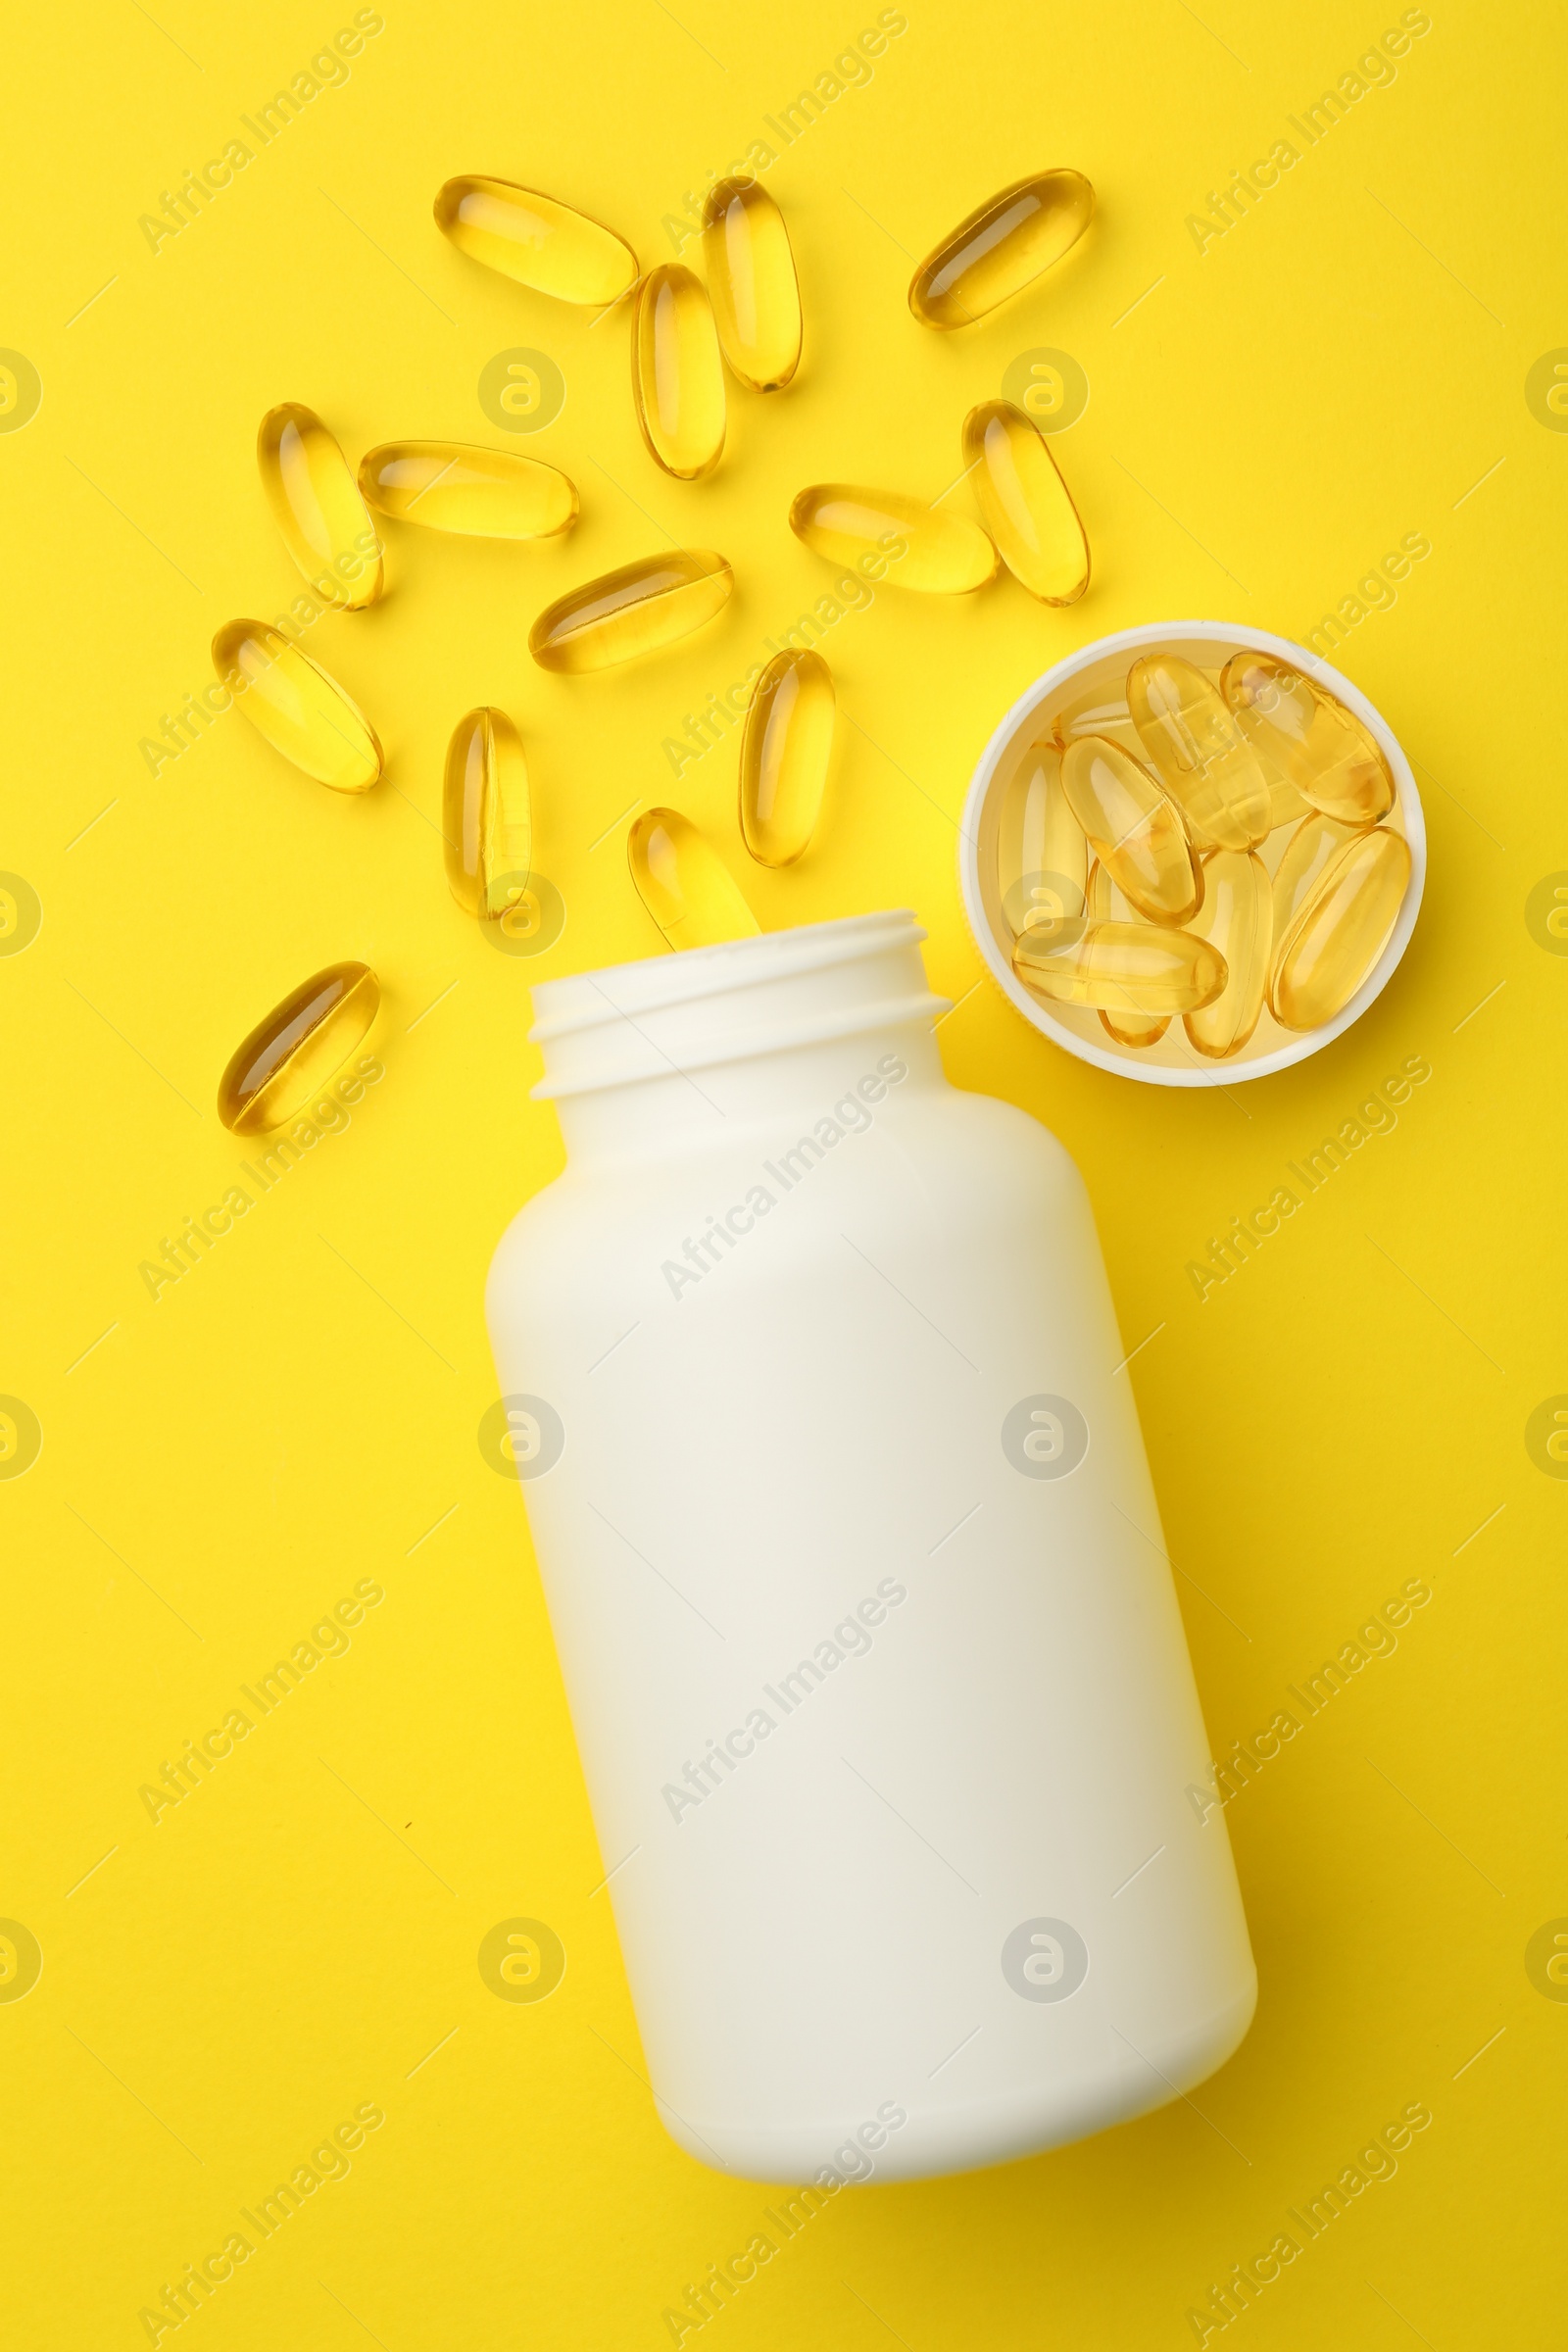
(485, 814)
(677, 379)
(1237, 917)
(297, 1047)
(318, 506)
(941, 554)
(1317, 842)
(1199, 753)
(1027, 506)
(752, 281)
(1329, 756)
(684, 884)
(1340, 931)
(998, 249)
(1134, 830)
(535, 240)
(481, 493)
(1042, 855)
(634, 611)
(785, 750)
(1105, 904)
(302, 713)
(1120, 968)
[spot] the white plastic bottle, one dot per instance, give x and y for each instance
(856, 1578)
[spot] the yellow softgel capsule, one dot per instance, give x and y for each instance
(317, 507)
(1105, 903)
(751, 279)
(684, 884)
(677, 378)
(296, 1049)
(1313, 846)
(1042, 854)
(634, 611)
(1026, 505)
(1199, 753)
(1099, 712)
(785, 750)
(1237, 917)
(1014, 236)
(1329, 756)
(486, 815)
(535, 240)
(1134, 830)
(940, 555)
(302, 713)
(1339, 930)
(479, 493)
(1120, 968)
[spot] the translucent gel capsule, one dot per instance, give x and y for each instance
(535, 240)
(941, 554)
(1134, 830)
(1100, 712)
(684, 884)
(317, 505)
(752, 281)
(1199, 753)
(633, 610)
(785, 751)
(1120, 968)
(677, 379)
(1042, 855)
(481, 493)
(486, 815)
(288, 1056)
(1339, 930)
(1025, 502)
(300, 710)
(1323, 747)
(1105, 904)
(1237, 917)
(1314, 845)
(998, 249)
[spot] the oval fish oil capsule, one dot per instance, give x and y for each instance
(677, 380)
(479, 493)
(1025, 504)
(634, 611)
(486, 815)
(302, 713)
(785, 749)
(1105, 904)
(1100, 712)
(751, 282)
(1134, 830)
(1316, 841)
(1237, 917)
(316, 503)
(1329, 756)
(684, 884)
(535, 240)
(1339, 930)
(1042, 854)
(942, 555)
(995, 253)
(288, 1056)
(1120, 968)
(1199, 753)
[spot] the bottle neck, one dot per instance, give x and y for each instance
(680, 1048)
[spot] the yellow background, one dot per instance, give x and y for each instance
(294, 1415)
